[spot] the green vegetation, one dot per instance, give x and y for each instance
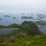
(25, 22)
(40, 22)
(31, 28)
(2, 26)
(28, 34)
(28, 41)
(13, 26)
(28, 28)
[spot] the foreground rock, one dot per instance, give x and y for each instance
(12, 39)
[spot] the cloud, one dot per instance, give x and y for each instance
(13, 6)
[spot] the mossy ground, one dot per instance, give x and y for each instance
(28, 41)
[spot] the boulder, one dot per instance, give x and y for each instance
(12, 39)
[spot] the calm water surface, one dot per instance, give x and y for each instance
(43, 29)
(7, 30)
(9, 20)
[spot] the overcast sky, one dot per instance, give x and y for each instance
(21, 6)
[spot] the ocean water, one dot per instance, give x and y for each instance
(7, 30)
(43, 29)
(9, 20)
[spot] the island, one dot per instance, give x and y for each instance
(27, 17)
(7, 16)
(27, 34)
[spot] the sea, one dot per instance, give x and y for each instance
(5, 21)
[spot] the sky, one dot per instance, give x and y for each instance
(22, 6)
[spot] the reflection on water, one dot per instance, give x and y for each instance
(7, 30)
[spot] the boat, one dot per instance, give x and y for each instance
(25, 17)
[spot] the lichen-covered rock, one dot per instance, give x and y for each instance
(12, 39)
